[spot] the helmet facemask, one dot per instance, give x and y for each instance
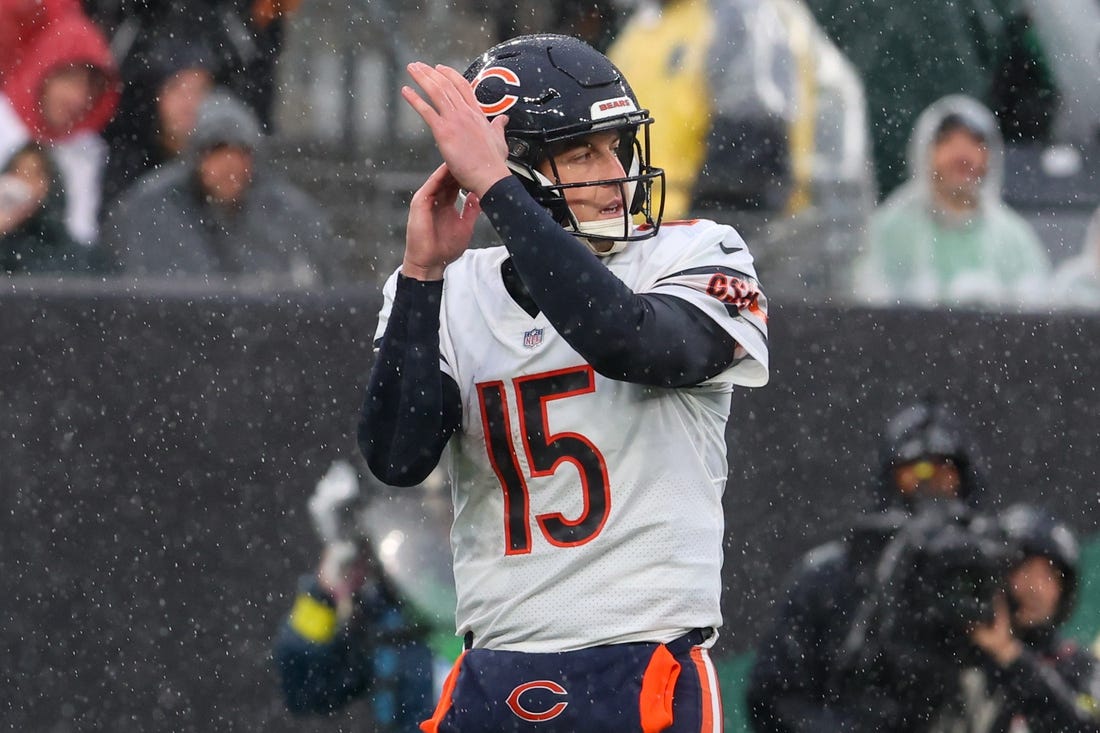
(635, 187)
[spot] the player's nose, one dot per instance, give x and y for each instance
(611, 167)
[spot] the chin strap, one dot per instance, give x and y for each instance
(603, 228)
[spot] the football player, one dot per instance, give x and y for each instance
(581, 375)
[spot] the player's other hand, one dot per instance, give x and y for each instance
(473, 148)
(438, 231)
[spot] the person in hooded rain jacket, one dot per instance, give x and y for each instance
(946, 237)
(218, 212)
(164, 85)
(59, 89)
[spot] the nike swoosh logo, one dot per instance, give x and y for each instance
(729, 250)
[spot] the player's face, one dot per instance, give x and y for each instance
(591, 158)
(1036, 586)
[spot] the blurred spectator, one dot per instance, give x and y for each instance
(757, 109)
(60, 91)
(348, 634)
(946, 237)
(348, 638)
(33, 236)
(164, 85)
(220, 212)
(247, 36)
(1041, 590)
(1077, 280)
(911, 54)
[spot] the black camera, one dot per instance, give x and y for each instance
(935, 579)
(940, 575)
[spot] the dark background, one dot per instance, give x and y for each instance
(158, 444)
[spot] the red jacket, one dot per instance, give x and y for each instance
(22, 20)
(51, 35)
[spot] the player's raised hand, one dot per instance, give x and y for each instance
(473, 148)
(437, 231)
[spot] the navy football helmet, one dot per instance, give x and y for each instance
(557, 88)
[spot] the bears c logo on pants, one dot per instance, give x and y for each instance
(517, 706)
(506, 101)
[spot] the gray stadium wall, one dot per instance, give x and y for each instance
(158, 446)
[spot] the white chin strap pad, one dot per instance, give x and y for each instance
(617, 227)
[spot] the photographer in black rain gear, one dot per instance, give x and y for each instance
(1043, 682)
(898, 625)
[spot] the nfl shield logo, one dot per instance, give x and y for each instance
(532, 338)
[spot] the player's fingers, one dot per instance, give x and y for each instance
(438, 87)
(439, 177)
(446, 184)
(461, 85)
(422, 108)
(471, 207)
(426, 194)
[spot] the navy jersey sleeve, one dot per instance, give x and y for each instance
(411, 407)
(647, 338)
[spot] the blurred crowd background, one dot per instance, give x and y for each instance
(278, 126)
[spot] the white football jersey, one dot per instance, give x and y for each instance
(588, 510)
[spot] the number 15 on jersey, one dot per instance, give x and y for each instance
(545, 452)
